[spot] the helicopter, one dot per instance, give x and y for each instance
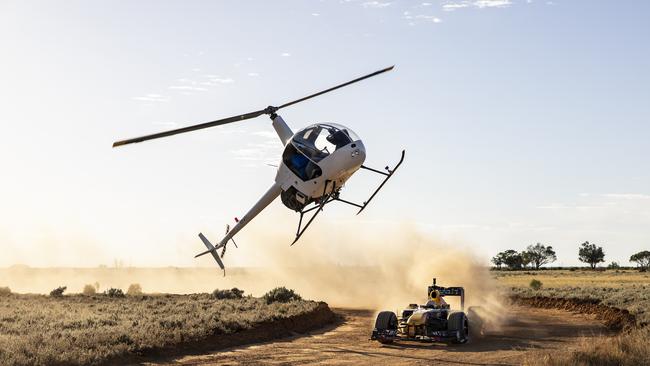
(315, 164)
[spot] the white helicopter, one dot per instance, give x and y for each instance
(316, 162)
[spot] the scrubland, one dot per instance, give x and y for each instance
(80, 329)
(623, 289)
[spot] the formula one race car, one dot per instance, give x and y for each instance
(432, 322)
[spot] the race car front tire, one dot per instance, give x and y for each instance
(457, 322)
(386, 320)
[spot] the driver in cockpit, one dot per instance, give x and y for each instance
(435, 300)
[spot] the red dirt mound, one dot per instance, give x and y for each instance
(614, 318)
(317, 318)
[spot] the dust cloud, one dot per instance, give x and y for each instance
(343, 264)
(376, 269)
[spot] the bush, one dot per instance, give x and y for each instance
(5, 291)
(134, 289)
(535, 284)
(233, 293)
(613, 265)
(58, 292)
(281, 294)
(114, 292)
(89, 290)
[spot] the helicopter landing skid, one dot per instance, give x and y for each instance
(334, 196)
(325, 199)
(388, 175)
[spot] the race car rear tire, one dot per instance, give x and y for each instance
(386, 320)
(457, 321)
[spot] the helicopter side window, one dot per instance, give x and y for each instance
(300, 164)
(323, 143)
(339, 138)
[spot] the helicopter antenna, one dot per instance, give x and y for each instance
(242, 117)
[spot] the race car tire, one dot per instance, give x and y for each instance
(386, 320)
(457, 321)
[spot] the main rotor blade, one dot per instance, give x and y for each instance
(337, 87)
(218, 122)
(241, 117)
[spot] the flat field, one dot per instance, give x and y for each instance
(78, 329)
(623, 289)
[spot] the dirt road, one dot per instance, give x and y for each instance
(347, 343)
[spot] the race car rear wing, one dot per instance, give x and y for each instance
(448, 291)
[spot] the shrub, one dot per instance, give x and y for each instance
(5, 291)
(613, 265)
(233, 293)
(58, 292)
(114, 292)
(134, 289)
(281, 294)
(89, 290)
(535, 284)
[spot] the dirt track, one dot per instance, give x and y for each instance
(347, 343)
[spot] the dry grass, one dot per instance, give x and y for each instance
(627, 349)
(624, 289)
(78, 329)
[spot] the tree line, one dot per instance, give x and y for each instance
(537, 255)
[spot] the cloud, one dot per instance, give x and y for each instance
(627, 196)
(218, 79)
(375, 4)
(315, 14)
(285, 54)
(454, 6)
(480, 4)
(562, 206)
(266, 134)
(265, 148)
(187, 88)
(429, 18)
(492, 3)
(253, 74)
(421, 17)
(153, 98)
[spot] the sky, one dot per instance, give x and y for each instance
(522, 121)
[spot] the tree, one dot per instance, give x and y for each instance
(540, 254)
(591, 254)
(613, 265)
(526, 259)
(642, 260)
(512, 259)
(498, 260)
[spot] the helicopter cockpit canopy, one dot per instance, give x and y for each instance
(319, 140)
(312, 144)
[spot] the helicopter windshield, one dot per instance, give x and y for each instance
(320, 140)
